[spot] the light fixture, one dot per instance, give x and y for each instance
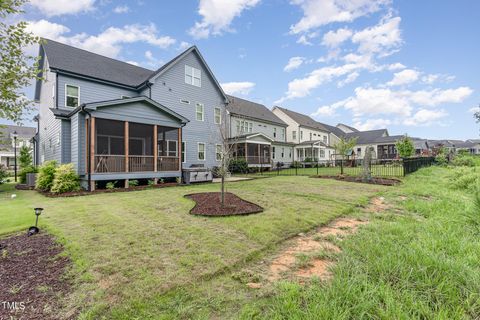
(34, 229)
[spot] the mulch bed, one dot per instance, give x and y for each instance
(32, 277)
(374, 180)
(209, 204)
(88, 193)
(23, 187)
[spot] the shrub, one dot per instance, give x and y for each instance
(464, 178)
(66, 179)
(238, 166)
(110, 185)
(151, 182)
(441, 160)
(24, 171)
(463, 161)
(25, 158)
(296, 164)
(132, 183)
(405, 147)
(3, 173)
(46, 174)
(308, 160)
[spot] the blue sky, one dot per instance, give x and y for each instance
(410, 66)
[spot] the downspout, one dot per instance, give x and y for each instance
(89, 143)
(56, 90)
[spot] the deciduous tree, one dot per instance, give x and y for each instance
(405, 147)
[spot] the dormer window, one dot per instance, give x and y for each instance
(72, 96)
(193, 76)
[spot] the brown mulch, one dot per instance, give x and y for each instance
(374, 180)
(209, 204)
(88, 193)
(32, 277)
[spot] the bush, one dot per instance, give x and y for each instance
(132, 183)
(46, 174)
(441, 160)
(464, 178)
(65, 179)
(463, 161)
(296, 164)
(24, 171)
(110, 185)
(238, 166)
(3, 174)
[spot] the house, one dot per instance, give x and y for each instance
(7, 149)
(312, 139)
(257, 134)
(471, 145)
(383, 144)
(117, 121)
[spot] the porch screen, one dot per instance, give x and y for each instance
(140, 140)
(110, 137)
(167, 142)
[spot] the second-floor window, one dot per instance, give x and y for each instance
(193, 76)
(301, 135)
(244, 126)
(282, 133)
(274, 132)
(199, 111)
(310, 136)
(325, 139)
(218, 115)
(294, 135)
(72, 96)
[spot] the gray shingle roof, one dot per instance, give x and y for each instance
(70, 59)
(365, 137)
(253, 110)
(336, 131)
(24, 133)
(303, 120)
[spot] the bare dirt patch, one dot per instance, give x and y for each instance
(209, 204)
(373, 180)
(32, 277)
(378, 204)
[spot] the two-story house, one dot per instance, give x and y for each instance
(257, 134)
(9, 135)
(117, 121)
(312, 139)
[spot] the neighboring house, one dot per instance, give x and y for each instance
(117, 121)
(312, 139)
(383, 144)
(24, 138)
(471, 145)
(258, 134)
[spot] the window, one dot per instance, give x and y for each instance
(244, 126)
(283, 152)
(193, 76)
(290, 154)
(322, 153)
(72, 96)
(301, 135)
(201, 151)
(218, 152)
(125, 97)
(325, 139)
(274, 132)
(294, 135)
(218, 116)
(273, 152)
(250, 127)
(238, 126)
(184, 151)
(199, 111)
(359, 151)
(283, 134)
(310, 136)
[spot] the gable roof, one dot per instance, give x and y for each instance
(336, 131)
(82, 62)
(303, 120)
(252, 110)
(364, 137)
(251, 135)
(349, 127)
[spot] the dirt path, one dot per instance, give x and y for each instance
(312, 255)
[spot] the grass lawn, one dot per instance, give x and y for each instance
(377, 171)
(133, 250)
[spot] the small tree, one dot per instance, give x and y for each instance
(25, 158)
(342, 147)
(17, 68)
(46, 175)
(405, 147)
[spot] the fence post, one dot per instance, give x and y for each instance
(317, 168)
(296, 170)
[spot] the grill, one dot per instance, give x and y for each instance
(197, 173)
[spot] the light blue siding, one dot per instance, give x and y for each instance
(65, 143)
(170, 88)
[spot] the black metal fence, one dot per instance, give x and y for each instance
(378, 168)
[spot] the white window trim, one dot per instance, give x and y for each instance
(71, 85)
(216, 153)
(204, 151)
(219, 115)
(184, 150)
(203, 111)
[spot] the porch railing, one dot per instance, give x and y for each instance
(257, 159)
(167, 164)
(109, 163)
(140, 163)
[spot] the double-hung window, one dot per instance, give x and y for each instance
(283, 134)
(193, 76)
(217, 115)
(274, 132)
(294, 135)
(199, 111)
(201, 151)
(72, 96)
(184, 151)
(218, 152)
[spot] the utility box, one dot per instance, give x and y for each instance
(197, 173)
(31, 179)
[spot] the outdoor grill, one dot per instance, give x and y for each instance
(197, 173)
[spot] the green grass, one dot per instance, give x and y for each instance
(134, 251)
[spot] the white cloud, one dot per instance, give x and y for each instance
(425, 117)
(217, 15)
(372, 124)
(404, 77)
(474, 110)
(121, 9)
(60, 7)
(349, 79)
(135, 63)
(395, 66)
(294, 63)
(317, 13)
(184, 45)
(335, 38)
(304, 40)
(152, 61)
(382, 39)
(432, 78)
(242, 88)
(108, 43)
(324, 111)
